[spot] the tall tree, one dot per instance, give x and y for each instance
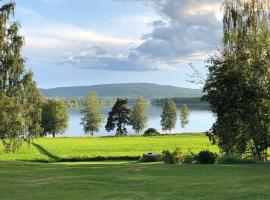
(138, 117)
(238, 84)
(169, 116)
(119, 117)
(54, 117)
(184, 116)
(17, 88)
(92, 117)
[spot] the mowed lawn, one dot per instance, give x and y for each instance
(65, 148)
(131, 180)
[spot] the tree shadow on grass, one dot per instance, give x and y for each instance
(46, 153)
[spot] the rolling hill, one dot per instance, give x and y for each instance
(129, 90)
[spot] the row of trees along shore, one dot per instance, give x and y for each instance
(237, 87)
(121, 116)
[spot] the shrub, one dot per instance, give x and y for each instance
(190, 158)
(151, 157)
(151, 132)
(234, 159)
(174, 157)
(206, 157)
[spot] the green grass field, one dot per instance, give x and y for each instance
(130, 180)
(67, 148)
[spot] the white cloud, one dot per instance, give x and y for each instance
(180, 32)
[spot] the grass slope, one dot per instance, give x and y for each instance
(112, 180)
(129, 90)
(68, 148)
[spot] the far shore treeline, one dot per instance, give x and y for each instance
(192, 102)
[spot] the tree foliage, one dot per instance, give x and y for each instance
(18, 91)
(138, 117)
(168, 116)
(119, 117)
(54, 117)
(184, 116)
(92, 117)
(238, 85)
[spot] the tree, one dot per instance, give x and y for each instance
(184, 116)
(92, 117)
(238, 84)
(119, 117)
(168, 116)
(12, 123)
(54, 117)
(138, 118)
(18, 91)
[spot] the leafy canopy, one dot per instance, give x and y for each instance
(168, 116)
(138, 117)
(92, 117)
(238, 85)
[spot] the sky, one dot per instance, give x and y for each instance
(89, 42)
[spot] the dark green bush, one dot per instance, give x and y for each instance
(151, 132)
(190, 158)
(174, 157)
(206, 157)
(234, 159)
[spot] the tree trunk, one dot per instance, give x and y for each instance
(53, 135)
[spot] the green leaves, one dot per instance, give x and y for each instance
(92, 117)
(54, 117)
(238, 85)
(168, 116)
(184, 116)
(20, 105)
(138, 118)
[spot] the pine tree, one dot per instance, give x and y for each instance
(92, 117)
(119, 117)
(168, 116)
(138, 118)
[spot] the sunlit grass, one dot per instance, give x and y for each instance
(109, 147)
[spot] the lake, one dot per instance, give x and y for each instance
(201, 120)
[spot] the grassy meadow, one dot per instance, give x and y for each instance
(83, 148)
(130, 180)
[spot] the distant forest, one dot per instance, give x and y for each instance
(192, 102)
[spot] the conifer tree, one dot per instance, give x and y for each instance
(119, 117)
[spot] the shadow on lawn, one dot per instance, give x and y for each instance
(55, 158)
(46, 153)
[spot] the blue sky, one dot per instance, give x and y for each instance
(87, 42)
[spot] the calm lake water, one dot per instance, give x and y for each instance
(200, 121)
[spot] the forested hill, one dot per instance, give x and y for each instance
(130, 90)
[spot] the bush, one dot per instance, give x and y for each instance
(174, 157)
(190, 158)
(234, 159)
(151, 132)
(151, 157)
(206, 157)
